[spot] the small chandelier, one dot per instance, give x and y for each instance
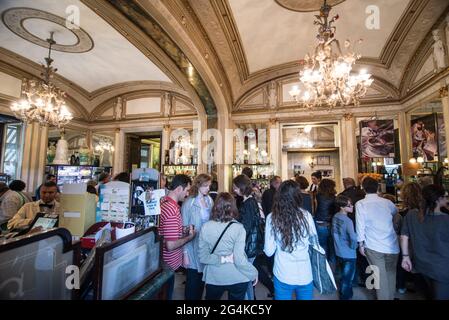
(326, 76)
(104, 145)
(42, 101)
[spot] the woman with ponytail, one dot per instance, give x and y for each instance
(427, 231)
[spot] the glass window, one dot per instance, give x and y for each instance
(13, 149)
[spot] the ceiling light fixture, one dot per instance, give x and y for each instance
(326, 78)
(42, 101)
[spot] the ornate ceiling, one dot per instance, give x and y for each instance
(94, 57)
(220, 51)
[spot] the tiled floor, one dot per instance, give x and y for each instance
(261, 292)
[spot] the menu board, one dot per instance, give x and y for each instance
(113, 203)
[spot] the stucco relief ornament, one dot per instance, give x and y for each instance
(118, 109)
(167, 104)
(446, 31)
(438, 52)
(272, 95)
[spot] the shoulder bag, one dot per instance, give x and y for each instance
(221, 236)
(323, 278)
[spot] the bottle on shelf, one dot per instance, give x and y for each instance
(72, 160)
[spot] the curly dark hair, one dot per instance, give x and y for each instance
(327, 188)
(224, 209)
(411, 194)
(289, 221)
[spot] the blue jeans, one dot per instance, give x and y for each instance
(283, 291)
(170, 287)
(194, 285)
(326, 242)
(347, 273)
(249, 295)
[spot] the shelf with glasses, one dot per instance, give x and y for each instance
(171, 170)
(74, 174)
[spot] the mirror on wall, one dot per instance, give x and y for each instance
(75, 147)
(103, 149)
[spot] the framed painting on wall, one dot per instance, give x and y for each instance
(377, 138)
(323, 160)
(425, 138)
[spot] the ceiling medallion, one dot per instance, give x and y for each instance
(305, 5)
(14, 20)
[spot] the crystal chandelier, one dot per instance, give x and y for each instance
(326, 76)
(42, 101)
(303, 140)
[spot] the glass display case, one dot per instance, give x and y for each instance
(34, 266)
(74, 174)
(262, 173)
(171, 170)
(124, 265)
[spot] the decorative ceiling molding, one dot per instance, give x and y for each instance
(138, 94)
(14, 19)
(305, 5)
(21, 67)
(419, 58)
(151, 28)
(389, 94)
(409, 18)
(182, 11)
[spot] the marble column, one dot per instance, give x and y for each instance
(348, 148)
(445, 101)
(34, 156)
(275, 145)
(119, 151)
(165, 143)
(404, 136)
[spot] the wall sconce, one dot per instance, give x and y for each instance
(311, 163)
(412, 160)
(420, 160)
(446, 161)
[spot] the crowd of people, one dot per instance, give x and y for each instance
(237, 239)
(19, 208)
(230, 241)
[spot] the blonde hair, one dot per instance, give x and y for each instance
(198, 182)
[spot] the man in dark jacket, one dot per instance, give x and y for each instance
(268, 195)
(352, 192)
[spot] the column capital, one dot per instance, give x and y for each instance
(166, 127)
(348, 116)
(443, 91)
(272, 121)
(117, 130)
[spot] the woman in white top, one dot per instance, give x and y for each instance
(287, 233)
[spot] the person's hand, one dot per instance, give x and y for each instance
(185, 260)
(192, 232)
(255, 282)
(228, 259)
(35, 230)
(406, 264)
(362, 251)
